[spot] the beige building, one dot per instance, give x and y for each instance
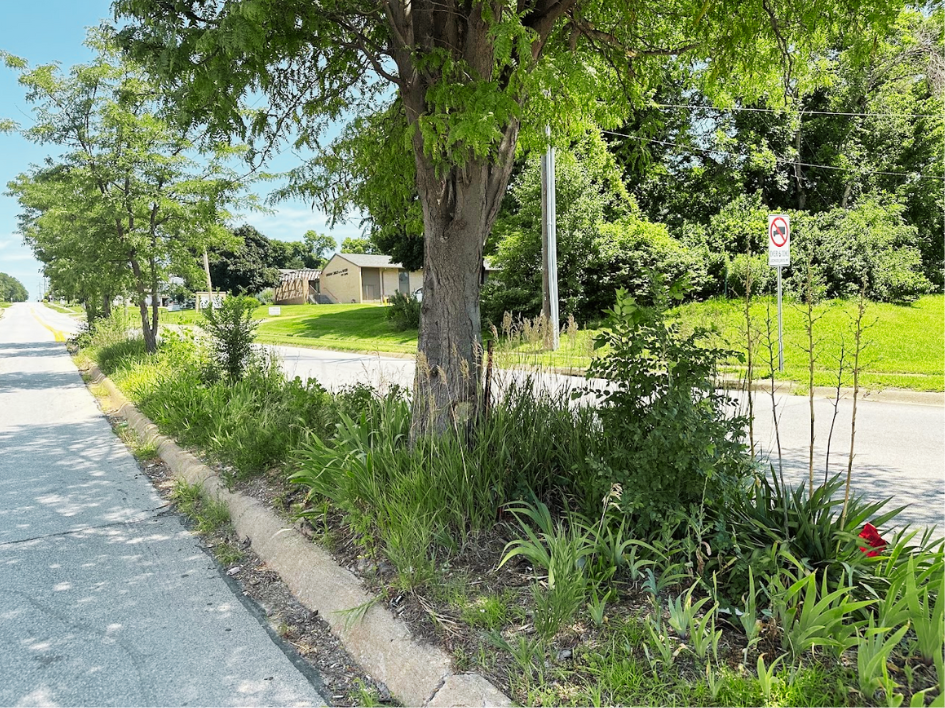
(357, 277)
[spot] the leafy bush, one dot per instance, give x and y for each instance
(404, 311)
(740, 267)
(232, 330)
(870, 240)
(265, 297)
(672, 441)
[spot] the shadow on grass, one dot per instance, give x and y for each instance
(362, 324)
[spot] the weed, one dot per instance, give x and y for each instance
(228, 553)
(766, 678)
(682, 612)
(563, 554)
(873, 650)
(487, 611)
(354, 615)
(366, 696)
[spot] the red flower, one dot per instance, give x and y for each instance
(873, 538)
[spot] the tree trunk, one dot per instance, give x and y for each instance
(155, 295)
(150, 342)
(798, 174)
(458, 211)
(106, 305)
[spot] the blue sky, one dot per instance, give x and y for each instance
(44, 31)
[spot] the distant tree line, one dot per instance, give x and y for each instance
(11, 289)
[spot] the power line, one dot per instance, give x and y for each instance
(775, 110)
(781, 160)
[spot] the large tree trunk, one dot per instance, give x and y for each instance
(459, 208)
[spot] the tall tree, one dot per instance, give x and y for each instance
(473, 80)
(128, 177)
(321, 246)
(358, 245)
(248, 267)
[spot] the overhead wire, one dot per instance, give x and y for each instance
(781, 160)
(803, 112)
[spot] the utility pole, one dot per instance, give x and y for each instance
(549, 244)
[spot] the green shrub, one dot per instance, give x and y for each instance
(232, 330)
(673, 439)
(404, 311)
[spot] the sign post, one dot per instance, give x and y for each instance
(779, 255)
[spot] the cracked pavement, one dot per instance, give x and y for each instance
(106, 599)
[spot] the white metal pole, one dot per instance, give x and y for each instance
(780, 327)
(549, 245)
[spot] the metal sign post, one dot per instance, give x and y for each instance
(779, 255)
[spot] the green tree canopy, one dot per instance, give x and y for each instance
(11, 289)
(128, 201)
(466, 84)
(358, 245)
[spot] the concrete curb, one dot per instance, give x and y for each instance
(417, 674)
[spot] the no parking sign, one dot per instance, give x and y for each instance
(779, 240)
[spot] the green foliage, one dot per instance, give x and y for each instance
(603, 241)
(248, 425)
(673, 441)
(358, 245)
(870, 240)
(130, 198)
(11, 289)
(873, 650)
(807, 527)
(819, 618)
(232, 331)
(403, 311)
(248, 267)
(562, 552)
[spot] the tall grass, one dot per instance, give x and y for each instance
(249, 425)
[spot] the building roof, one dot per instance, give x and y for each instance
(367, 260)
(300, 274)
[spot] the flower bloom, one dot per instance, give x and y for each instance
(872, 537)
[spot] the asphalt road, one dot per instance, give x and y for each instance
(105, 598)
(899, 449)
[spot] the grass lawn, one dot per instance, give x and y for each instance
(346, 327)
(65, 309)
(5, 305)
(905, 343)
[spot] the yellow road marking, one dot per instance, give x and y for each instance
(57, 335)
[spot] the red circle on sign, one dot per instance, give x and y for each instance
(778, 228)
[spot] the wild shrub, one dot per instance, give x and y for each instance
(232, 330)
(404, 311)
(673, 439)
(804, 526)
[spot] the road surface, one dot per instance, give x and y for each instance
(106, 598)
(899, 450)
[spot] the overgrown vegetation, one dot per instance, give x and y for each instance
(653, 552)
